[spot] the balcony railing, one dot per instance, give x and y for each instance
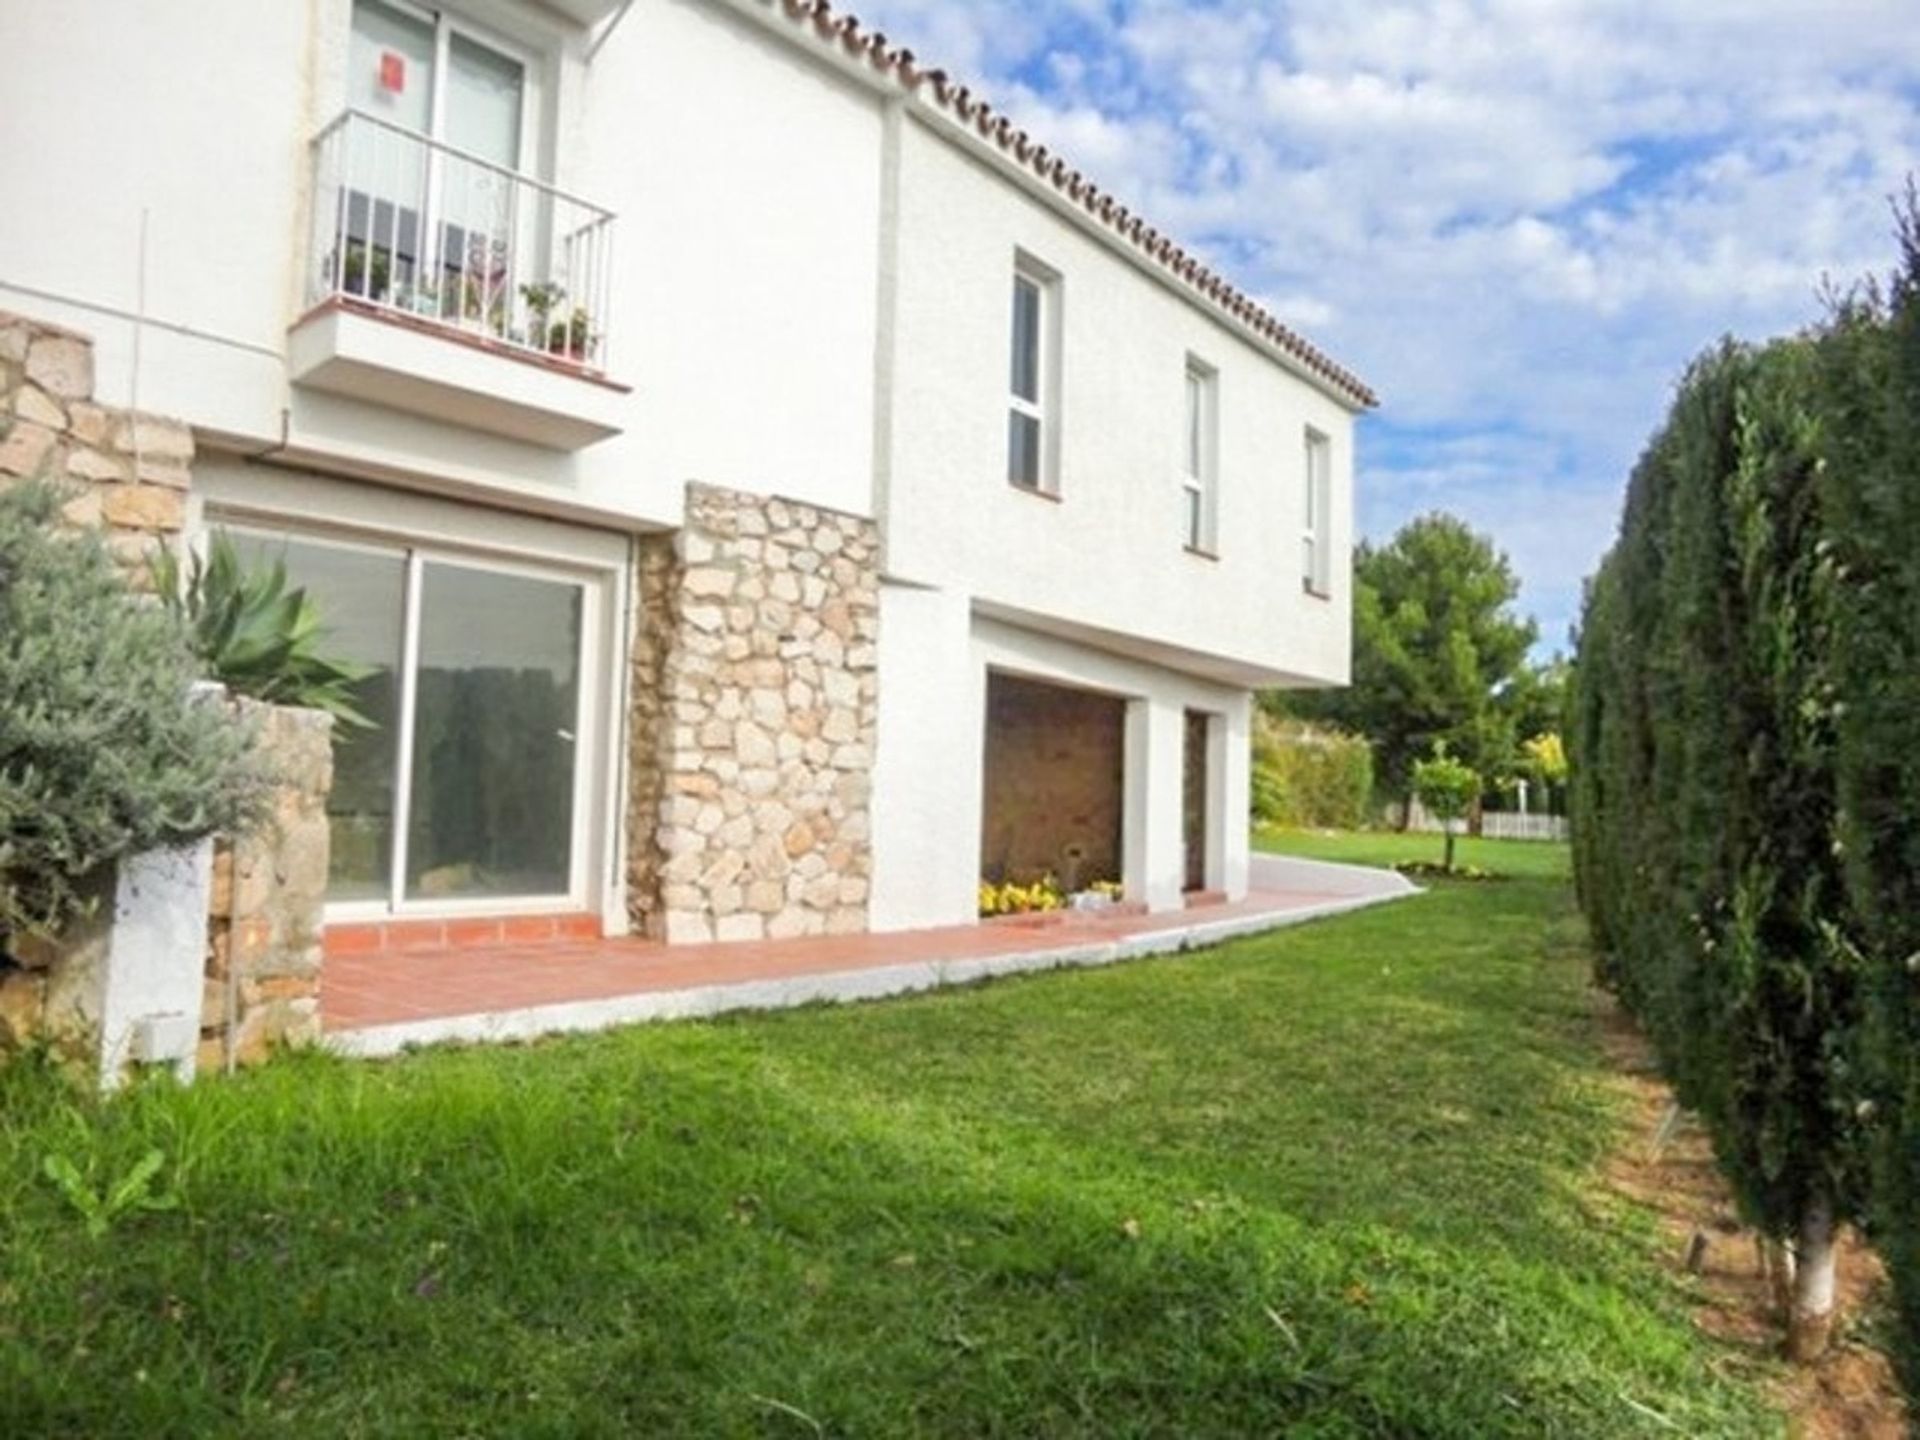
(407, 225)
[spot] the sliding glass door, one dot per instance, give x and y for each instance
(496, 709)
(465, 790)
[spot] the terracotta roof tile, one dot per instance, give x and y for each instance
(818, 18)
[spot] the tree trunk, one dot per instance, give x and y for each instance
(1811, 1324)
(1406, 814)
(1447, 865)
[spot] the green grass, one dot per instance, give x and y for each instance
(1534, 860)
(1336, 1181)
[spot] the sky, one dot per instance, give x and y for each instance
(1516, 219)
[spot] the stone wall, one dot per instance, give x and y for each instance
(130, 476)
(754, 709)
(265, 919)
(129, 473)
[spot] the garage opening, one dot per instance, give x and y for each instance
(1055, 784)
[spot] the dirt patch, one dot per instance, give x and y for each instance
(1668, 1168)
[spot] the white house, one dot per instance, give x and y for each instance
(775, 492)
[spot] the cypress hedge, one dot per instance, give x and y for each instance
(1702, 737)
(1869, 396)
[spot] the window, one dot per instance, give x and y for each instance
(435, 219)
(1316, 573)
(1033, 381)
(467, 787)
(1197, 462)
(424, 73)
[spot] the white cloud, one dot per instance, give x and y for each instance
(1518, 218)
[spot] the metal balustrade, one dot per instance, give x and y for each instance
(409, 226)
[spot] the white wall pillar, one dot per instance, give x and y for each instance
(1230, 763)
(1154, 858)
(929, 756)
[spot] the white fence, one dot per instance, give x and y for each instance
(1499, 825)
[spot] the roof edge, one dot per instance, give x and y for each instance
(975, 118)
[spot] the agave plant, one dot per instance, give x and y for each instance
(256, 636)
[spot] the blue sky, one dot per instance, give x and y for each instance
(1517, 218)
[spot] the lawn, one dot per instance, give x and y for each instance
(1336, 1181)
(1506, 857)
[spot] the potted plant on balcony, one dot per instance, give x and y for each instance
(542, 299)
(572, 338)
(362, 275)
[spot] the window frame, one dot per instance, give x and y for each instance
(445, 25)
(1044, 408)
(415, 554)
(1316, 578)
(1199, 467)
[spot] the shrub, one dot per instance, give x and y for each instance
(102, 751)
(1308, 777)
(254, 635)
(1446, 788)
(1703, 797)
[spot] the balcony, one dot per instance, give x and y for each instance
(445, 285)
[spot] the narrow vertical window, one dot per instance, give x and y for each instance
(1031, 441)
(1316, 574)
(1197, 459)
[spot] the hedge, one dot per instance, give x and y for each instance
(1744, 729)
(1703, 796)
(1310, 777)
(1869, 398)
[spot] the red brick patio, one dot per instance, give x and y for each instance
(374, 1001)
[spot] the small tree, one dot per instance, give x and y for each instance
(1446, 788)
(1547, 758)
(1544, 760)
(103, 752)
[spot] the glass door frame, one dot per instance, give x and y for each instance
(597, 604)
(430, 262)
(445, 26)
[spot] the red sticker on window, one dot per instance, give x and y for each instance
(393, 72)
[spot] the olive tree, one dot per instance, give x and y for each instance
(103, 752)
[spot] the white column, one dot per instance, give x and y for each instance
(928, 762)
(1229, 776)
(1154, 852)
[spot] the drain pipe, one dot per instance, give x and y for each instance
(139, 325)
(623, 730)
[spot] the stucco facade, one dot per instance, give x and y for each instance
(805, 303)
